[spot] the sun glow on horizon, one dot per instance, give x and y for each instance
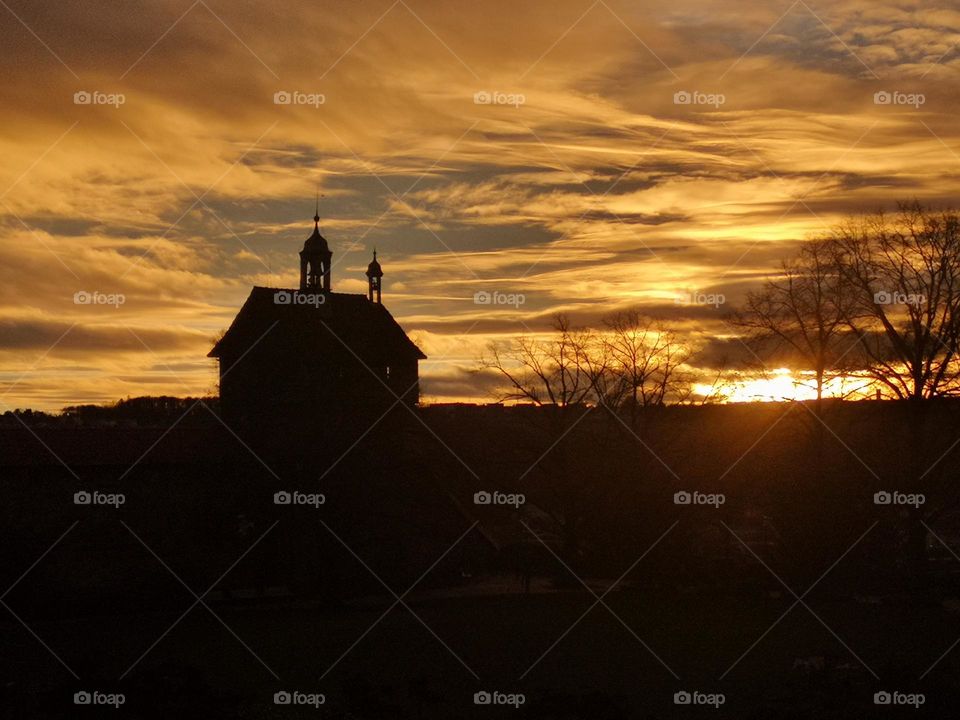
(784, 384)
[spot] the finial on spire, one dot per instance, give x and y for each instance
(316, 215)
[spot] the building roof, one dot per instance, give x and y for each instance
(316, 242)
(374, 269)
(366, 328)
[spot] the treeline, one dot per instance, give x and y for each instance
(634, 361)
(132, 412)
(870, 308)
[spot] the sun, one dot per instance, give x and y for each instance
(781, 384)
(784, 384)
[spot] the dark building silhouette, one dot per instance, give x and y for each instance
(307, 357)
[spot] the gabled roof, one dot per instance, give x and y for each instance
(366, 328)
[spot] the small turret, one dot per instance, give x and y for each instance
(315, 261)
(374, 279)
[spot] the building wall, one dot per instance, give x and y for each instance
(293, 391)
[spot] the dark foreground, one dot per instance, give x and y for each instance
(788, 590)
(420, 662)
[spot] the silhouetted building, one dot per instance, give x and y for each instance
(308, 356)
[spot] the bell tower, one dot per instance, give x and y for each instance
(374, 279)
(315, 261)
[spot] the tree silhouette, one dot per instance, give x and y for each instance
(905, 272)
(803, 312)
(646, 362)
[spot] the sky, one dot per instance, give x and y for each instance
(160, 158)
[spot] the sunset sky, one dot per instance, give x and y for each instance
(587, 185)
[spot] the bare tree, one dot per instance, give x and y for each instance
(634, 362)
(803, 313)
(645, 361)
(905, 272)
(559, 370)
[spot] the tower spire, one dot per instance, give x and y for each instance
(315, 258)
(374, 279)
